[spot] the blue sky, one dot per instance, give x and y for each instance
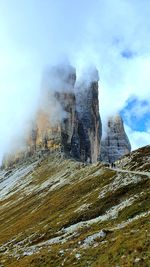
(111, 34)
(136, 114)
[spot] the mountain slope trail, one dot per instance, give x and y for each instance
(134, 172)
(60, 212)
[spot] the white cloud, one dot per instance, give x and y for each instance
(137, 138)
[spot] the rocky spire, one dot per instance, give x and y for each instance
(80, 125)
(88, 133)
(55, 123)
(68, 119)
(115, 143)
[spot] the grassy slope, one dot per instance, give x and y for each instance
(137, 160)
(59, 193)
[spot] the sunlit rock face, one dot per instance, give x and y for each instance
(89, 122)
(115, 144)
(54, 124)
(43, 135)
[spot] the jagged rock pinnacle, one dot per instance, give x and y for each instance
(115, 143)
(89, 127)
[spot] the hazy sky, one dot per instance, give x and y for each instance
(112, 34)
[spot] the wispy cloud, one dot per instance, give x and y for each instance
(138, 138)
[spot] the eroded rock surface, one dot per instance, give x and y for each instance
(115, 144)
(57, 125)
(67, 120)
(89, 124)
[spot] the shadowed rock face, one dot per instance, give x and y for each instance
(116, 143)
(67, 125)
(89, 129)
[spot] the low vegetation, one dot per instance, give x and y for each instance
(64, 213)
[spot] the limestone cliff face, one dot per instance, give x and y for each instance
(67, 125)
(116, 143)
(78, 129)
(43, 135)
(54, 124)
(88, 132)
(68, 120)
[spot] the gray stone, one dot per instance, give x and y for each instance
(89, 122)
(115, 144)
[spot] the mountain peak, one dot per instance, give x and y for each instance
(115, 143)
